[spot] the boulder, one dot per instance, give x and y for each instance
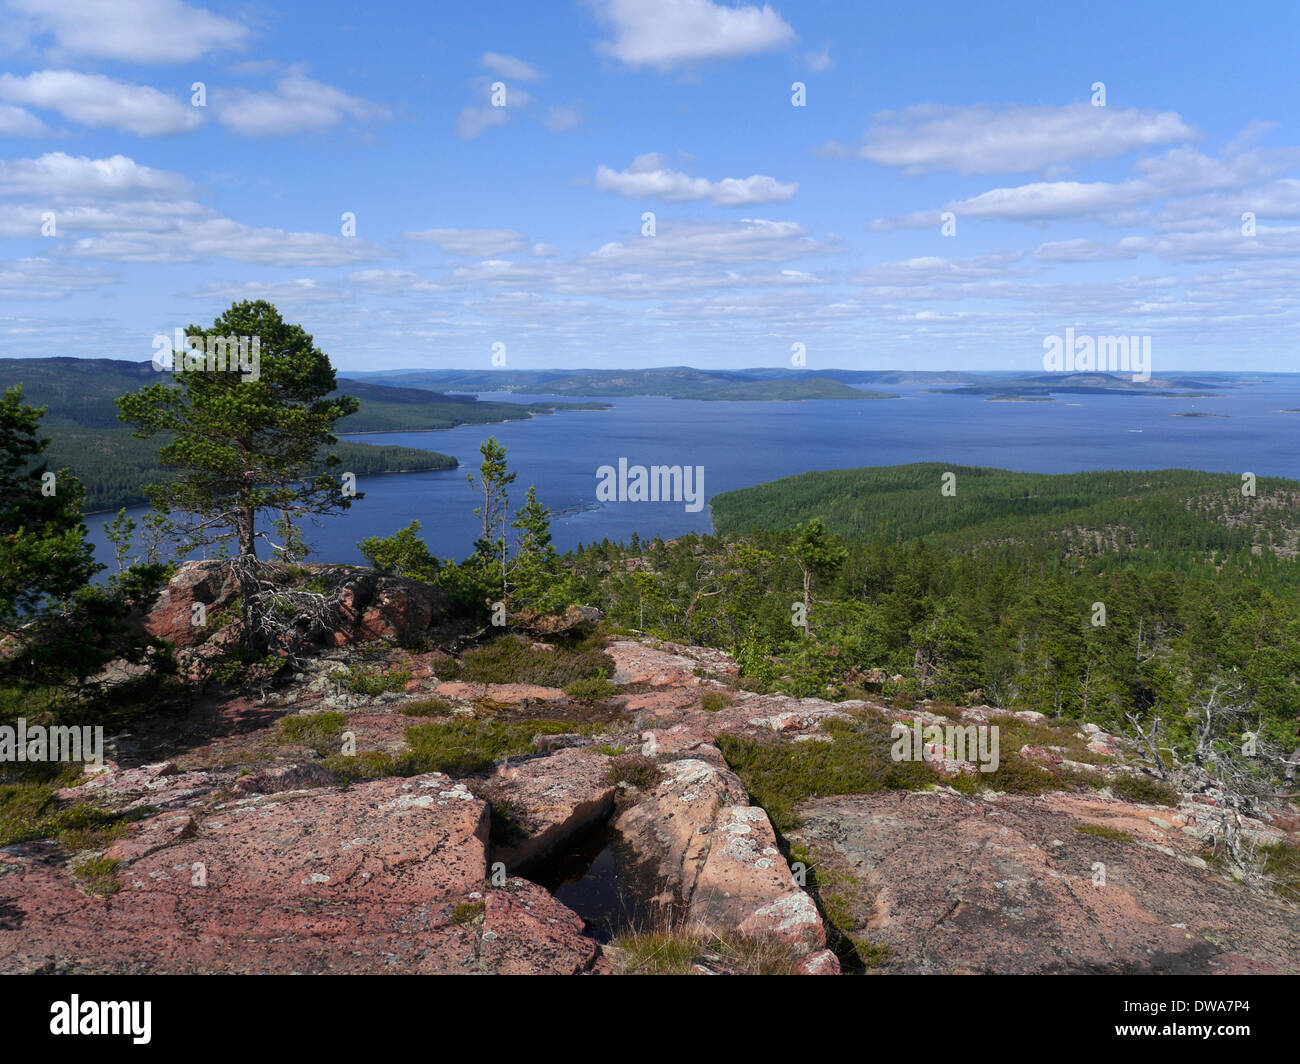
(556, 798)
(172, 615)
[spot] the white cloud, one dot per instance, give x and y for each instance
(15, 122)
(983, 140)
(299, 290)
(650, 178)
(476, 243)
(751, 240)
(1083, 250)
(473, 120)
(96, 100)
(298, 104)
(58, 175)
(137, 214)
(510, 67)
(930, 270)
(137, 31)
(819, 62)
(193, 240)
(671, 33)
(38, 278)
(558, 118)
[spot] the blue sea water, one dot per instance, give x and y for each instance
(742, 444)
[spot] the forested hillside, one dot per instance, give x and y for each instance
(87, 437)
(1096, 596)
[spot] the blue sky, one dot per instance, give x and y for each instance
(774, 224)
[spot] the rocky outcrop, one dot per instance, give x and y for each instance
(356, 606)
(387, 876)
(716, 857)
(242, 849)
(173, 616)
(557, 798)
(1011, 885)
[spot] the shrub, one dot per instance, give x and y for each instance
(635, 770)
(780, 774)
(427, 707)
(510, 659)
(376, 682)
(712, 701)
(321, 731)
(1144, 789)
(590, 689)
(29, 812)
(467, 747)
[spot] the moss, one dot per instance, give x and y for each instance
(871, 954)
(98, 876)
(1101, 831)
(611, 750)
(716, 700)
(840, 897)
(467, 912)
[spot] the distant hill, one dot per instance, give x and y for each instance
(674, 382)
(86, 436)
(1168, 514)
(1090, 383)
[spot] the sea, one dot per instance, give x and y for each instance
(737, 445)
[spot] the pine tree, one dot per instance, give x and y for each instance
(246, 444)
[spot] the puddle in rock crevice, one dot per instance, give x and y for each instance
(594, 876)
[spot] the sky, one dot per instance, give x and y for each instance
(920, 185)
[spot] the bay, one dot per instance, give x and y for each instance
(742, 444)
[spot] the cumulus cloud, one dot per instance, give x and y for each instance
(16, 122)
(117, 210)
(649, 177)
(96, 100)
(141, 31)
(671, 33)
(984, 140)
(56, 174)
(298, 104)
